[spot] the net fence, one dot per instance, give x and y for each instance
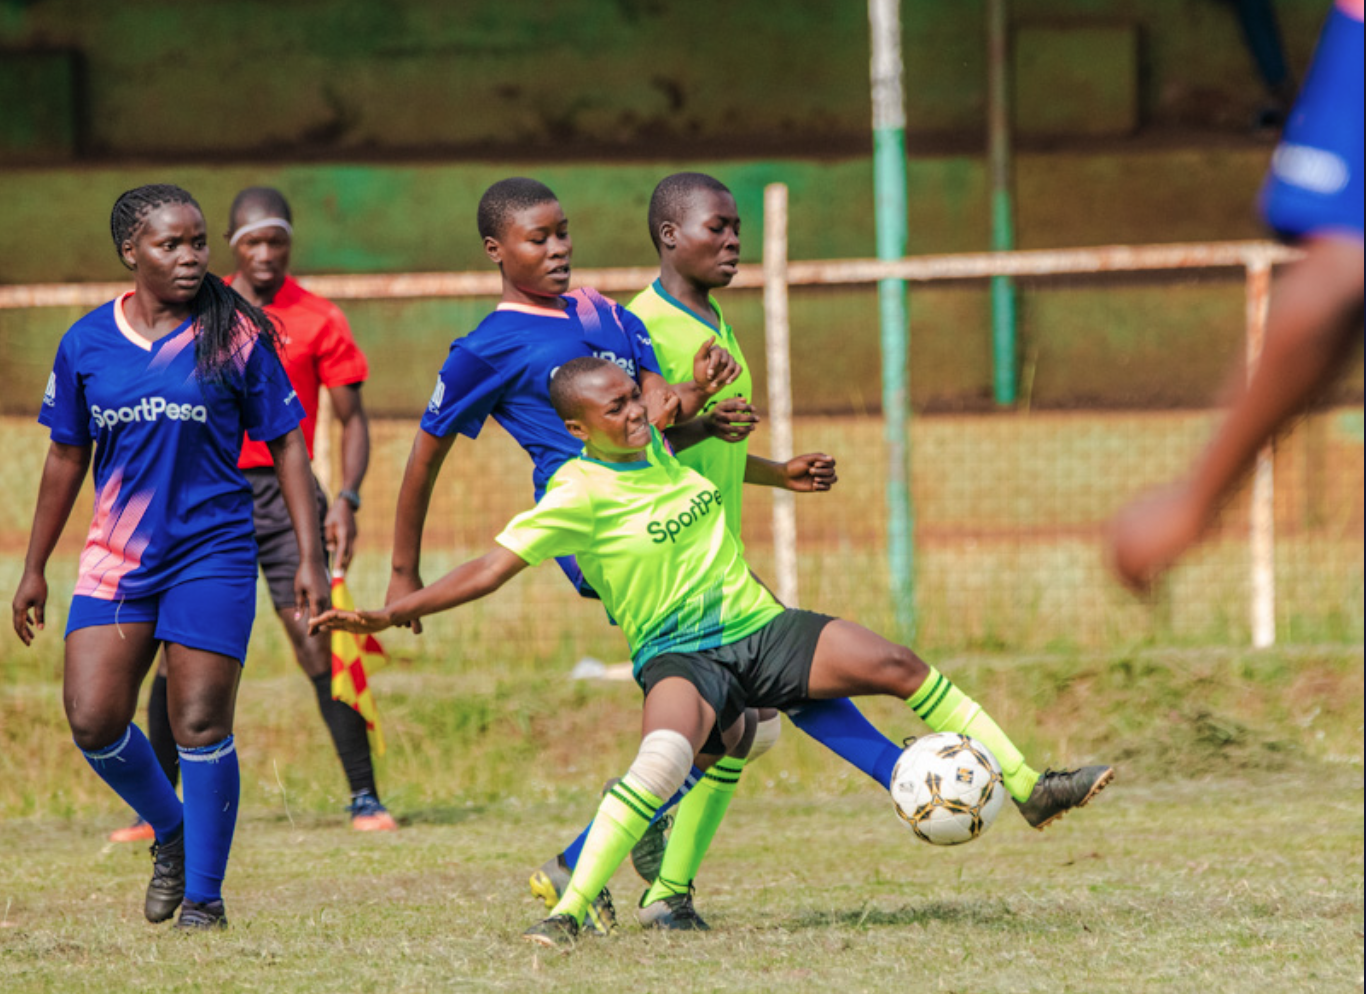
(1010, 506)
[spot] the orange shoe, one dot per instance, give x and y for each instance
(139, 831)
(368, 815)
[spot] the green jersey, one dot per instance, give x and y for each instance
(677, 333)
(652, 540)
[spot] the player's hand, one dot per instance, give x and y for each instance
(401, 585)
(339, 532)
(810, 473)
(1150, 534)
(732, 420)
(713, 368)
(662, 408)
(30, 597)
(312, 590)
(359, 622)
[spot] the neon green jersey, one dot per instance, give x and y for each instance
(651, 538)
(677, 333)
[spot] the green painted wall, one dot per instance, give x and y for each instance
(252, 78)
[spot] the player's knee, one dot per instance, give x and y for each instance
(195, 727)
(902, 671)
(662, 764)
(93, 732)
(766, 734)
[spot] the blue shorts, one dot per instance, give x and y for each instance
(1315, 186)
(214, 614)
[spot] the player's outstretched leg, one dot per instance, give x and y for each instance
(841, 727)
(852, 661)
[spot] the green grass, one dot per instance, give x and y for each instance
(1227, 856)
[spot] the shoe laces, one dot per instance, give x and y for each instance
(365, 804)
(681, 906)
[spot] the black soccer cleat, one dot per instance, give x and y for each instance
(207, 917)
(674, 913)
(1059, 791)
(551, 880)
(556, 932)
(166, 889)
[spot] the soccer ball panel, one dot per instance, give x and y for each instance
(947, 788)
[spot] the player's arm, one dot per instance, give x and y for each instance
(810, 473)
(290, 456)
(63, 473)
(469, 582)
(414, 498)
(732, 420)
(1314, 319)
(669, 403)
(339, 527)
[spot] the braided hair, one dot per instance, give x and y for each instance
(225, 322)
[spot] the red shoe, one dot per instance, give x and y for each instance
(139, 831)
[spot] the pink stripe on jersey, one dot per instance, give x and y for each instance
(1355, 9)
(583, 306)
(545, 312)
(112, 550)
(168, 352)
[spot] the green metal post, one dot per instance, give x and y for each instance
(889, 186)
(1004, 350)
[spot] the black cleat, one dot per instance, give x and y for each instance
(207, 917)
(1059, 791)
(674, 913)
(551, 880)
(166, 889)
(556, 932)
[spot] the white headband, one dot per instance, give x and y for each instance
(265, 222)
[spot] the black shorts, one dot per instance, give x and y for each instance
(769, 669)
(277, 547)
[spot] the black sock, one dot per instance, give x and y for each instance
(348, 735)
(159, 730)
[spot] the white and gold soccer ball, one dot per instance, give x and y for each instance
(947, 788)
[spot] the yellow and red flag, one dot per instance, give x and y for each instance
(354, 658)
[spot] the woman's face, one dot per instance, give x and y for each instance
(169, 253)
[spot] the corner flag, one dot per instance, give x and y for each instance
(354, 657)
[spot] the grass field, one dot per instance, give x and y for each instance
(1227, 856)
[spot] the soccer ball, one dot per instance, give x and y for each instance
(947, 788)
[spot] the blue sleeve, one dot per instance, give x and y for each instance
(639, 337)
(270, 407)
(468, 388)
(65, 413)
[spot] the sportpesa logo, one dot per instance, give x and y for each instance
(700, 506)
(148, 409)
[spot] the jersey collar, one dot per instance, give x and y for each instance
(658, 287)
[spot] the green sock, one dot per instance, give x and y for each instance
(699, 816)
(945, 708)
(622, 818)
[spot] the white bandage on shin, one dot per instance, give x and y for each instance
(662, 764)
(765, 737)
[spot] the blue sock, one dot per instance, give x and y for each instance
(131, 768)
(841, 728)
(571, 853)
(212, 785)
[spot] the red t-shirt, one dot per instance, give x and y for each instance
(317, 350)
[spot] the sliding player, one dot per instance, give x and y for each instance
(707, 639)
(695, 228)
(161, 383)
(1314, 196)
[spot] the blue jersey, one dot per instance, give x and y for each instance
(1316, 185)
(170, 503)
(502, 370)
